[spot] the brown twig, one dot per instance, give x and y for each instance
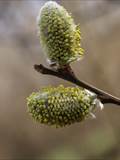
(66, 73)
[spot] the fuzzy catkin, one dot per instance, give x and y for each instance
(59, 35)
(60, 106)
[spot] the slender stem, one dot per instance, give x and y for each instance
(67, 74)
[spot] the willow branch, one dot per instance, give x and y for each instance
(68, 74)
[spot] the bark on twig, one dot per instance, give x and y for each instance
(67, 73)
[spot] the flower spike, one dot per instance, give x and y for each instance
(58, 34)
(61, 106)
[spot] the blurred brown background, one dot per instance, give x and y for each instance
(20, 136)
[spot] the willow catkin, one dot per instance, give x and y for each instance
(58, 34)
(61, 106)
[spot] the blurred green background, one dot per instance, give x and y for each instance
(21, 137)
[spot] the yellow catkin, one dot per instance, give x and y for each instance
(58, 34)
(61, 106)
